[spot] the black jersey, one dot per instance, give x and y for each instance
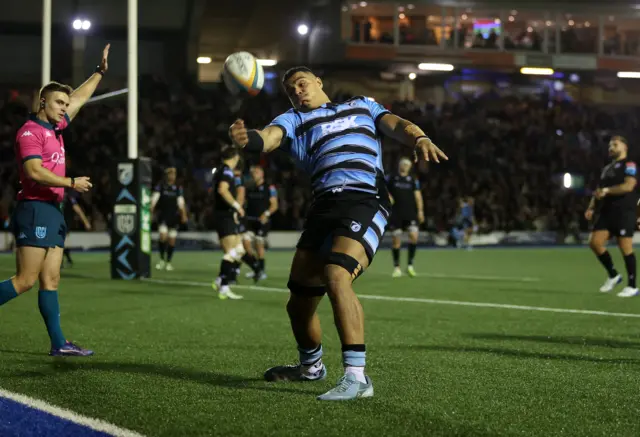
(258, 199)
(168, 200)
(614, 174)
(402, 189)
(224, 174)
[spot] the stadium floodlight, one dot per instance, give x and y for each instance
(303, 29)
(203, 60)
(427, 66)
(567, 180)
(81, 24)
(412, 76)
(629, 74)
(537, 71)
(267, 62)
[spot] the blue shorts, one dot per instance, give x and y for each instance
(38, 224)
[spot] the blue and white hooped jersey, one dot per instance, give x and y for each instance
(337, 145)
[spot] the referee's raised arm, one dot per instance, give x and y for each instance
(81, 94)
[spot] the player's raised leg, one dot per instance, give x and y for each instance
(626, 247)
(396, 244)
(598, 244)
(50, 308)
(306, 286)
(346, 261)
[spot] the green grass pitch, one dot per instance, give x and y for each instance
(173, 360)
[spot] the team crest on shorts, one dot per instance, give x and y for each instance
(41, 231)
(355, 226)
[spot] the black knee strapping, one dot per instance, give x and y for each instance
(347, 262)
(305, 290)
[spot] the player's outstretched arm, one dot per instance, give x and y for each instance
(411, 135)
(265, 140)
(81, 94)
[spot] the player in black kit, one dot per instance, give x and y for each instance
(262, 203)
(228, 213)
(168, 199)
(613, 212)
(407, 213)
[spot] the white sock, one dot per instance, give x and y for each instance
(358, 372)
(225, 289)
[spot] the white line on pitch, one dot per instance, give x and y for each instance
(95, 424)
(417, 300)
(441, 276)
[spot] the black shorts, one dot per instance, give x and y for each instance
(618, 223)
(359, 216)
(401, 223)
(226, 224)
(258, 228)
(171, 221)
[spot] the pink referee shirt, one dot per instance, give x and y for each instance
(41, 140)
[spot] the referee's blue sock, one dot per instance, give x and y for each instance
(7, 291)
(50, 311)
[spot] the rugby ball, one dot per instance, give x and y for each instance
(242, 74)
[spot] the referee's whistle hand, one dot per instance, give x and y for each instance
(238, 133)
(82, 184)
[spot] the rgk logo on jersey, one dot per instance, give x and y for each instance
(339, 125)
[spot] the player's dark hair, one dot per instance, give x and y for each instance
(621, 139)
(53, 87)
(228, 152)
(290, 72)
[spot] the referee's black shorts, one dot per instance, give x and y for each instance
(619, 223)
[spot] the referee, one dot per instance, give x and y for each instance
(613, 213)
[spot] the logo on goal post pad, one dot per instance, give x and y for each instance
(125, 173)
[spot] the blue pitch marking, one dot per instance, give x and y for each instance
(18, 420)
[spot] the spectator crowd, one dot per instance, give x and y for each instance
(509, 153)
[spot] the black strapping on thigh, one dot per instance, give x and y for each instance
(305, 290)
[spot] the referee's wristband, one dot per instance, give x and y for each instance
(73, 181)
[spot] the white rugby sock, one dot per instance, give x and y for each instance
(358, 372)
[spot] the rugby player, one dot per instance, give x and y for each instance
(612, 211)
(338, 146)
(407, 214)
(169, 198)
(262, 203)
(38, 224)
(228, 213)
